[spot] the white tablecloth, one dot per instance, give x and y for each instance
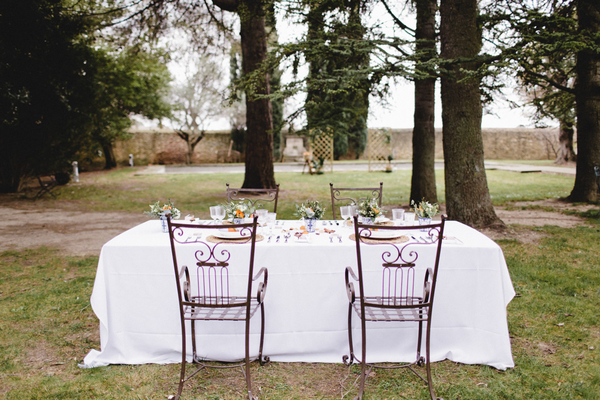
(135, 299)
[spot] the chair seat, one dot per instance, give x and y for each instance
(220, 309)
(393, 309)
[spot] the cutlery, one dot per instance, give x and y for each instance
(340, 238)
(330, 239)
(277, 239)
(287, 236)
(269, 239)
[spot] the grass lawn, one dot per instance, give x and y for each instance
(47, 325)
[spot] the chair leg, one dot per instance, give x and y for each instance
(428, 362)
(419, 342)
(348, 360)
(183, 360)
(247, 361)
(363, 363)
(262, 336)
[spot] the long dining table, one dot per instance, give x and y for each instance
(306, 305)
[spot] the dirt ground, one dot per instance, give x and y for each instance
(30, 225)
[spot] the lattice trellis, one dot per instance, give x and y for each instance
(322, 147)
(379, 147)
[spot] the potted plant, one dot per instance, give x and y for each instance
(369, 210)
(311, 212)
(236, 211)
(161, 212)
(425, 211)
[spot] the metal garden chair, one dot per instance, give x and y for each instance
(206, 271)
(348, 196)
(397, 299)
(254, 195)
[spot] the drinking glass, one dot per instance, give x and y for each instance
(346, 213)
(271, 218)
(409, 218)
(262, 216)
(217, 213)
(398, 216)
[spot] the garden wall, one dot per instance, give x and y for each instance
(163, 146)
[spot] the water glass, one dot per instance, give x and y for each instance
(217, 213)
(398, 216)
(271, 218)
(409, 218)
(346, 212)
(262, 216)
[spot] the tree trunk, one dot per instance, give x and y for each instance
(467, 194)
(587, 94)
(565, 144)
(259, 173)
(423, 140)
(109, 156)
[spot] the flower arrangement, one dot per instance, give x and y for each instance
(369, 209)
(239, 209)
(158, 211)
(424, 209)
(310, 210)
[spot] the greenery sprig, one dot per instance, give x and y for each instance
(369, 208)
(158, 211)
(424, 209)
(310, 210)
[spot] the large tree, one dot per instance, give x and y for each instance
(467, 194)
(557, 44)
(44, 92)
(196, 99)
(259, 172)
(423, 140)
(587, 94)
(127, 82)
(338, 84)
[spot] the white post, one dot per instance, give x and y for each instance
(131, 160)
(75, 171)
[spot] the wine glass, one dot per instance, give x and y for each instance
(217, 213)
(271, 218)
(262, 216)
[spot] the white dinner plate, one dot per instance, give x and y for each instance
(227, 234)
(381, 220)
(383, 234)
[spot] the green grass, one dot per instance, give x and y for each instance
(47, 325)
(122, 190)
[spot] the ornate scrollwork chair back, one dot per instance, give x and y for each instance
(256, 196)
(347, 196)
(216, 281)
(390, 268)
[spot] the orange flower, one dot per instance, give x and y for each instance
(239, 214)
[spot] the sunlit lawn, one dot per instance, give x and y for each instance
(47, 325)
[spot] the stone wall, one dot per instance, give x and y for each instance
(163, 146)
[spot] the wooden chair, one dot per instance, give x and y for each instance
(397, 299)
(255, 196)
(354, 195)
(206, 290)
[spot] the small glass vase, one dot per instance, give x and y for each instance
(424, 221)
(367, 220)
(310, 224)
(163, 223)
